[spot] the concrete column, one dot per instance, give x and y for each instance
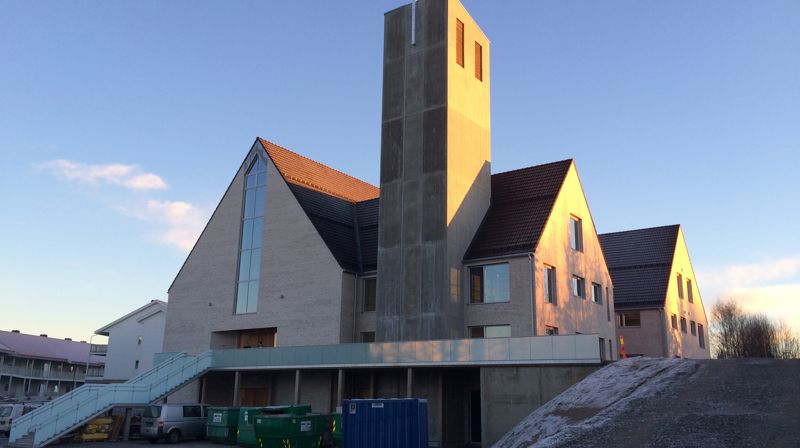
(203, 383)
(297, 386)
(409, 383)
(339, 389)
(237, 377)
(372, 384)
(126, 428)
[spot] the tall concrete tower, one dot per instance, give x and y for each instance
(435, 176)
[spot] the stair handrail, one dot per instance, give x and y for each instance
(48, 407)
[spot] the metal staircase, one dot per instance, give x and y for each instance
(56, 418)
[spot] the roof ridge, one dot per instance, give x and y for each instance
(266, 143)
(534, 166)
(640, 230)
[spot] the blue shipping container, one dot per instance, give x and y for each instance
(385, 423)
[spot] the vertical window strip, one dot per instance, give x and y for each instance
(252, 235)
(478, 61)
(459, 42)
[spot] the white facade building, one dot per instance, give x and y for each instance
(133, 340)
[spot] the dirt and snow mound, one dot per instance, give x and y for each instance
(596, 400)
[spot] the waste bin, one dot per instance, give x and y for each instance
(290, 430)
(386, 423)
(246, 434)
(223, 423)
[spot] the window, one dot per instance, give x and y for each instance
(629, 319)
(192, 411)
(252, 234)
(139, 341)
(136, 364)
(602, 349)
(680, 286)
(597, 293)
(367, 336)
(689, 291)
(693, 327)
(674, 322)
(369, 287)
(490, 331)
(683, 324)
(549, 284)
(489, 284)
(478, 61)
(578, 287)
(459, 42)
(608, 305)
(701, 335)
(550, 331)
(576, 233)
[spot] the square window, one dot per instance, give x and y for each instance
(367, 336)
(550, 331)
(576, 233)
(629, 319)
(369, 293)
(578, 287)
(489, 284)
(597, 293)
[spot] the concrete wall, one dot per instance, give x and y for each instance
(301, 283)
(649, 338)
(434, 193)
(124, 347)
(509, 394)
(572, 314)
(679, 343)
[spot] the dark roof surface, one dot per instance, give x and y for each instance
(521, 204)
(640, 262)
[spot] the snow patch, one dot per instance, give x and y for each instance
(595, 401)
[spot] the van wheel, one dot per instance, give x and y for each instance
(174, 436)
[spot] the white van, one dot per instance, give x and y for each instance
(8, 412)
(174, 422)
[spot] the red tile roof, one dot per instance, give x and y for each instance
(305, 172)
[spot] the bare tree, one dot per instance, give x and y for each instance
(736, 334)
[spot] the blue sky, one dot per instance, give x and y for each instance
(122, 123)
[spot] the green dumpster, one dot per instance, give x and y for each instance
(290, 430)
(222, 425)
(246, 435)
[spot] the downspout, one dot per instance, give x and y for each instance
(533, 296)
(355, 306)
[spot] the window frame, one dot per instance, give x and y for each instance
(364, 337)
(249, 221)
(365, 308)
(576, 233)
(701, 336)
(622, 319)
(482, 287)
(478, 61)
(578, 286)
(460, 43)
(549, 284)
(683, 325)
(595, 288)
(689, 290)
(482, 329)
(693, 327)
(680, 286)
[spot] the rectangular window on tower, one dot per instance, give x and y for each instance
(369, 288)
(459, 42)
(478, 61)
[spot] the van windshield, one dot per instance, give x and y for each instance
(5, 411)
(152, 412)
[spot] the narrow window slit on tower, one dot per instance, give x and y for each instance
(478, 61)
(459, 42)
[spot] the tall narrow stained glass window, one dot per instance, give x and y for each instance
(252, 234)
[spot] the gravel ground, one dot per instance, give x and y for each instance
(727, 403)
